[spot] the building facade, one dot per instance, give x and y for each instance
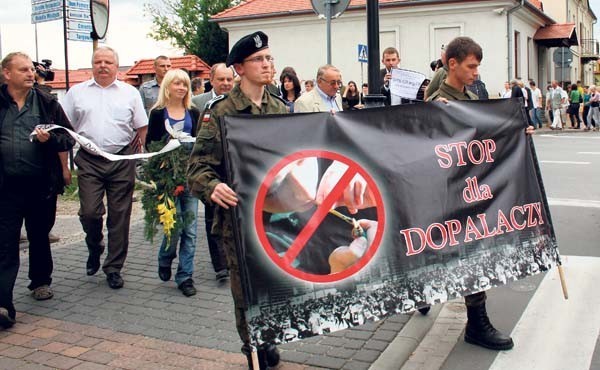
(506, 29)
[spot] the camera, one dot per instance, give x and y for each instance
(43, 69)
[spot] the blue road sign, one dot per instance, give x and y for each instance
(46, 17)
(79, 36)
(46, 7)
(83, 15)
(78, 5)
(363, 53)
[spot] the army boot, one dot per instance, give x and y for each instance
(481, 332)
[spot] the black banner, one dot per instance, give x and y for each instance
(431, 202)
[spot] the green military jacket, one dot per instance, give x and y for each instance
(436, 81)
(450, 93)
(206, 168)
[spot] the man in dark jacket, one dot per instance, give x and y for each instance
(31, 176)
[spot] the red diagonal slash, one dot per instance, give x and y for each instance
(318, 217)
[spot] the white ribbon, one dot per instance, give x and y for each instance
(178, 138)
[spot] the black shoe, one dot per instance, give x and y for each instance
(164, 273)
(187, 288)
(5, 320)
(268, 356)
(222, 275)
(481, 332)
(93, 264)
(424, 310)
(115, 281)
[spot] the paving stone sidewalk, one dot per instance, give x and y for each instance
(149, 324)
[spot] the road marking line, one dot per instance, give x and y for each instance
(574, 202)
(571, 137)
(554, 333)
(565, 162)
(592, 153)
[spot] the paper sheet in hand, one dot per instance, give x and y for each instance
(405, 84)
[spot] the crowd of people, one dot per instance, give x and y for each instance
(340, 309)
(570, 106)
(123, 120)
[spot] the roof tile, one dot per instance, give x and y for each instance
(257, 8)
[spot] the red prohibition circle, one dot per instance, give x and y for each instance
(286, 264)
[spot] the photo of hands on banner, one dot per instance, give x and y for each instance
(298, 188)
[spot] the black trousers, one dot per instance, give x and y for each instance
(25, 199)
(97, 177)
(217, 255)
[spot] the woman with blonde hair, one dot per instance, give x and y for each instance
(174, 108)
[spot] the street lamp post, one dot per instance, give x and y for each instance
(374, 98)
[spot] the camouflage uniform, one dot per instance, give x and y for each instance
(450, 93)
(206, 170)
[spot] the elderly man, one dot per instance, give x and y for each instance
(221, 79)
(556, 100)
(251, 58)
(107, 112)
(149, 89)
(324, 97)
(31, 176)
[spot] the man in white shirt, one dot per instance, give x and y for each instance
(505, 94)
(536, 95)
(107, 112)
(555, 103)
(324, 97)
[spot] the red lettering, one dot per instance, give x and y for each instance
(470, 192)
(483, 148)
(443, 233)
(513, 220)
(490, 147)
(454, 227)
(444, 156)
(471, 155)
(461, 144)
(410, 250)
(486, 230)
(503, 222)
(472, 229)
(537, 207)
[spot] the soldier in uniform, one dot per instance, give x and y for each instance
(252, 60)
(464, 56)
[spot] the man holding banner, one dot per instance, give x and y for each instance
(252, 60)
(31, 176)
(106, 111)
(464, 56)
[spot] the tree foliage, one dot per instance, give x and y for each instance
(186, 23)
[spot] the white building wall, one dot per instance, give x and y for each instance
(300, 41)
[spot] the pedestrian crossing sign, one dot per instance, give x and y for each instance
(362, 53)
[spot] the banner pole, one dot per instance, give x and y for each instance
(538, 173)
(563, 282)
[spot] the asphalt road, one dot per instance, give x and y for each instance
(569, 164)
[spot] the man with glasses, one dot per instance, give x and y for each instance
(324, 97)
(252, 60)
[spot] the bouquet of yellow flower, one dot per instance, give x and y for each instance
(165, 176)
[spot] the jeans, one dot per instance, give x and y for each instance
(536, 117)
(187, 217)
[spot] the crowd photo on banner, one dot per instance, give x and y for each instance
(321, 212)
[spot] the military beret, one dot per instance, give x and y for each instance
(247, 46)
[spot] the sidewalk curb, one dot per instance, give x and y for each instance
(407, 340)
